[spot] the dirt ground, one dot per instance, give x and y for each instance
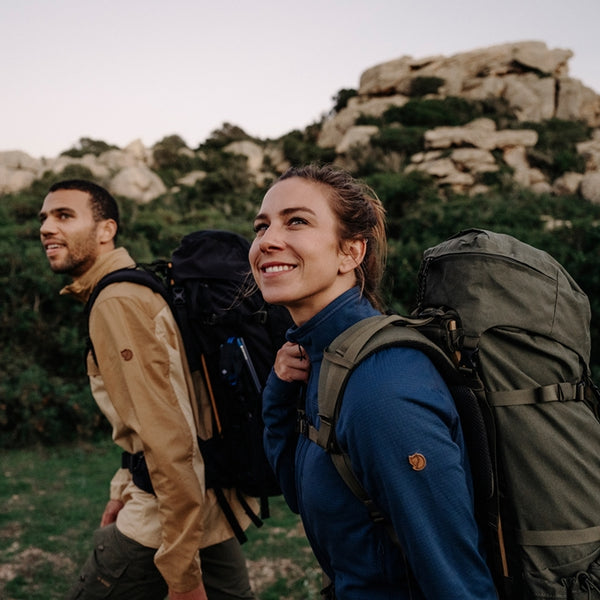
(263, 572)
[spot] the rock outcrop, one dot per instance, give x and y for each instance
(530, 78)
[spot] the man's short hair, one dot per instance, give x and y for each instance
(104, 206)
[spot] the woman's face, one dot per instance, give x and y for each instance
(296, 257)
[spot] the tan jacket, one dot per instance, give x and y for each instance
(142, 384)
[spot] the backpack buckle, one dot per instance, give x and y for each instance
(178, 296)
(302, 424)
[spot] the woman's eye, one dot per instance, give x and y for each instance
(297, 221)
(259, 227)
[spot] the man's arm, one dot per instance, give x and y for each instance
(139, 357)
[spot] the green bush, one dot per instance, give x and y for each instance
(224, 135)
(405, 140)
(433, 112)
(300, 147)
(341, 99)
(555, 151)
(363, 119)
(88, 146)
(450, 111)
(421, 86)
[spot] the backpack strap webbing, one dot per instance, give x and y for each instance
(557, 392)
(352, 346)
(128, 274)
(143, 277)
(339, 360)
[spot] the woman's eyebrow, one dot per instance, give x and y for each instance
(286, 211)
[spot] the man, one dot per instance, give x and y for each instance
(147, 544)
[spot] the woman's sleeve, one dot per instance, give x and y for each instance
(280, 437)
(401, 430)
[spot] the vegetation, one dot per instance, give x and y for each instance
(555, 152)
(300, 147)
(51, 500)
(54, 464)
(88, 146)
(421, 86)
(340, 100)
(44, 396)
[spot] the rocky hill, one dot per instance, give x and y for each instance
(514, 87)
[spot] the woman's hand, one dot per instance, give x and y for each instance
(291, 363)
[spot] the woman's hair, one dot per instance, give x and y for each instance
(360, 215)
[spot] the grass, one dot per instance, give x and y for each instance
(51, 500)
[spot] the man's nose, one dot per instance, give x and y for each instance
(47, 227)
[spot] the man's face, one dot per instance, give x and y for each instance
(69, 234)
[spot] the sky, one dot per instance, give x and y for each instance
(122, 70)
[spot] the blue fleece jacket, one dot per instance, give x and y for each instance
(395, 405)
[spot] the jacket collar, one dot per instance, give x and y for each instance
(319, 331)
(81, 288)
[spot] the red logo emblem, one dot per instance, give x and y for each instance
(417, 461)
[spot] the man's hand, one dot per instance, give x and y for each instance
(110, 512)
(196, 594)
(291, 363)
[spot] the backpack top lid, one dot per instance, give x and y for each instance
(212, 254)
(493, 280)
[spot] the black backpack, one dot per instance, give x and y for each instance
(231, 337)
(508, 329)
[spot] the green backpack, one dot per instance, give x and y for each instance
(508, 329)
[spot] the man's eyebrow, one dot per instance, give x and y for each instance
(59, 209)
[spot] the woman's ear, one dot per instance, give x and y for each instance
(354, 253)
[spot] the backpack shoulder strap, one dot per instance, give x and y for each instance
(129, 274)
(132, 275)
(352, 346)
(341, 357)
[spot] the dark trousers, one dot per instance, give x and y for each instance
(121, 569)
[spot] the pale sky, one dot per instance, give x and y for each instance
(121, 70)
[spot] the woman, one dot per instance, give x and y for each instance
(319, 251)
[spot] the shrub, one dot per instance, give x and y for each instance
(341, 99)
(421, 86)
(363, 119)
(88, 146)
(555, 151)
(226, 134)
(167, 154)
(405, 140)
(300, 148)
(433, 112)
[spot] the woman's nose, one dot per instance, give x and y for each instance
(271, 238)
